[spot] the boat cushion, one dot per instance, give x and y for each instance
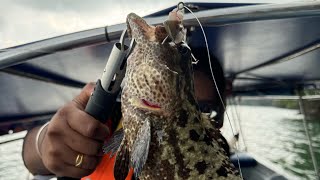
(244, 159)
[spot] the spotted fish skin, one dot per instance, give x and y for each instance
(165, 135)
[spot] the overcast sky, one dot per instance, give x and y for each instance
(24, 21)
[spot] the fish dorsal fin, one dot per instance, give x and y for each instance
(138, 156)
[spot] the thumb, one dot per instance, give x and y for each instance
(82, 99)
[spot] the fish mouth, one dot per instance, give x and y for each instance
(142, 32)
(137, 24)
(132, 17)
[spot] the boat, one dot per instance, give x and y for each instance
(264, 49)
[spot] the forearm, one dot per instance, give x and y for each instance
(32, 160)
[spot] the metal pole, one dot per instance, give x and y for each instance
(24, 53)
(314, 161)
(30, 71)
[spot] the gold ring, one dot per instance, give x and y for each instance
(79, 160)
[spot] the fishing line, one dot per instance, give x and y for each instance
(233, 113)
(236, 104)
(237, 120)
(215, 83)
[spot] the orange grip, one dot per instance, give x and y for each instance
(104, 170)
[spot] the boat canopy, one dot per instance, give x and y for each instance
(268, 49)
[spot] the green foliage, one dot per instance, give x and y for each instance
(289, 104)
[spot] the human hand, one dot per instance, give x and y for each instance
(71, 132)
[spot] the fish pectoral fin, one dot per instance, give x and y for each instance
(138, 156)
(113, 144)
(140, 148)
(122, 163)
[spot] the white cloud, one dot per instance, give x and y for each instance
(24, 21)
(27, 21)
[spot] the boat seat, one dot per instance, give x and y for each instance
(244, 159)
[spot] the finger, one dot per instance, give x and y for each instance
(88, 162)
(82, 144)
(57, 155)
(60, 160)
(81, 100)
(87, 126)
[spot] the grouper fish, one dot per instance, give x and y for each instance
(165, 136)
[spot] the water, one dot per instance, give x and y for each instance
(11, 164)
(278, 135)
(274, 134)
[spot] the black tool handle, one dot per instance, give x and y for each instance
(100, 103)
